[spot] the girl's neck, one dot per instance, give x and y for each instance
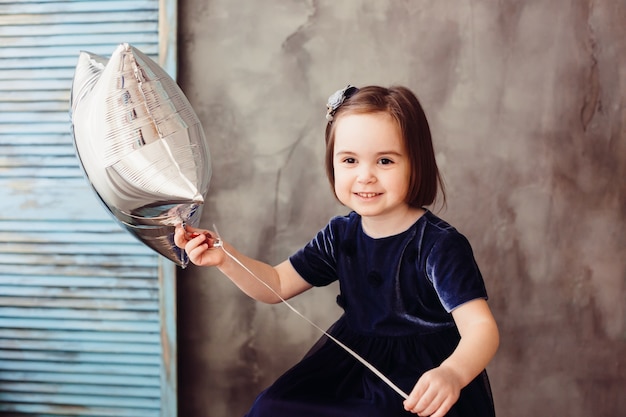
(383, 226)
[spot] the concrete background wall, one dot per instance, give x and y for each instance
(526, 104)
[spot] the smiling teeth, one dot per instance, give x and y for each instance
(368, 195)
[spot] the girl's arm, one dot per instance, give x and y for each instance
(283, 278)
(438, 389)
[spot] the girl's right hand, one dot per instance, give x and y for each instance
(198, 244)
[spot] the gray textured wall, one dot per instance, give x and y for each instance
(526, 104)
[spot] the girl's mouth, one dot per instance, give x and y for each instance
(367, 195)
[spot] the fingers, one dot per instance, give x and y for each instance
(210, 238)
(196, 250)
(435, 409)
(432, 406)
(434, 394)
(416, 395)
(180, 238)
(443, 408)
(183, 235)
(199, 244)
(421, 400)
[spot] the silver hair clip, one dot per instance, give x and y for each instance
(337, 100)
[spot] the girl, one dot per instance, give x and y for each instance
(414, 299)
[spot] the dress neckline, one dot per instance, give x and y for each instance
(408, 230)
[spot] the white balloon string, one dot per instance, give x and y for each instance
(346, 348)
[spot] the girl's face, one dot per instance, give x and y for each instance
(371, 165)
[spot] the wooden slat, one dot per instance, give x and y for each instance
(92, 283)
(77, 287)
(86, 309)
(65, 234)
(30, 85)
(38, 172)
(34, 128)
(35, 139)
(83, 401)
(59, 16)
(49, 161)
(86, 248)
(25, 167)
(58, 74)
(86, 42)
(42, 117)
(10, 52)
(9, 153)
(128, 317)
(121, 358)
(99, 325)
(74, 269)
(47, 7)
(126, 307)
(106, 390)
(62, 376)
(119, 30)
(120, 351)
(72, 292)
(79, 367)
(107, 341)
(22, 296)
(105, 227)
(89, 263)
(52, 410)
(56, 95)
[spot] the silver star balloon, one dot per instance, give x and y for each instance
(141, 146)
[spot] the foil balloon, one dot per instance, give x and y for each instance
(141, 146)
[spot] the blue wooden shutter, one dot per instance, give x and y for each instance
(87, 313)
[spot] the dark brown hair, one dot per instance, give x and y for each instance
(404, 107)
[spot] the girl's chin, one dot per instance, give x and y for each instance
(366, 212)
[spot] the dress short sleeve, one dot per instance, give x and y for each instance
(451, 267)
(317, 261)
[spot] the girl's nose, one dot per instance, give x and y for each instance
(365, 175)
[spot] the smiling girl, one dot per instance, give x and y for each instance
(413, 297)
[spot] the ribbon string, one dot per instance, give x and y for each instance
(371, 367)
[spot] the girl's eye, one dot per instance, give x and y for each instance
(349, 160)
(385, 161)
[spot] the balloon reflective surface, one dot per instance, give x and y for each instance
(141, 146)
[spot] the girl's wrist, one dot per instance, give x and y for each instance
(463, 378)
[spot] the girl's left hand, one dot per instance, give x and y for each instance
(435, 392)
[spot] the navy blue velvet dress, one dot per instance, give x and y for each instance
(397, 293)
